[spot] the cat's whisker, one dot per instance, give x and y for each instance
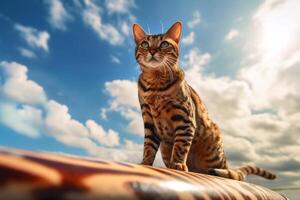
(166, 71)
(172, 58)
(164, 66)
(149, 33)
(160, 70)
(162, 26)
(171, 76)
(171, 63)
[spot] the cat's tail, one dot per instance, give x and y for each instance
(242, 172)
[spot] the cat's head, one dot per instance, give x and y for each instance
(156, 51)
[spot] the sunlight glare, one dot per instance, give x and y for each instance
(180, 186)
(279, 30)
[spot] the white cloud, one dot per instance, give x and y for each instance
(195, 21)
(23, 119)
(266, 7)
(194, 60)
(223, 92)
(125, 28)
(189, 39)
(71, 132)
(26, 52)
(135, 119)
(132, 151)
(277, 77)
(224, 98)
(119, 6)
(233, 33)
(121, 91)
(124, 100)
(130, 145)
(115, 59)
(33, 37)
(36, 115)
(109, 138)
(235, 154)
(18, 87)
(117, 30)
(58, 15)
(103, 113)
(92, 17)
(58, 121)
(60, 124)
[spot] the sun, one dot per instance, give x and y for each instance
(279, 29)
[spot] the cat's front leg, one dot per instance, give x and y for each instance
(184, 135)
(151, 143)
(151, 140)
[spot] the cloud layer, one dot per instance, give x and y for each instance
(257, 108)
(25, 108)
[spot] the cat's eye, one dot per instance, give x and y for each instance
(164, 44)
(145, 45)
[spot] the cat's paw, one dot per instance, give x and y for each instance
(146, 163)
(179, 166)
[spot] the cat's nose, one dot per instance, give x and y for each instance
(152, 51)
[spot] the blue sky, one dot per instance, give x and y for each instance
(68, 76)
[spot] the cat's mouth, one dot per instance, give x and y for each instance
(152, 59)
(152, 62)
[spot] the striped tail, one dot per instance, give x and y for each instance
(242, 172)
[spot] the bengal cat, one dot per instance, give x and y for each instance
(175, 118)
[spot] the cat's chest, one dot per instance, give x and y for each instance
(154, 100)
(162, 110)
(159, 102)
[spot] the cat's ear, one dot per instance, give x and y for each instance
(138, 33)
(175, 31)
